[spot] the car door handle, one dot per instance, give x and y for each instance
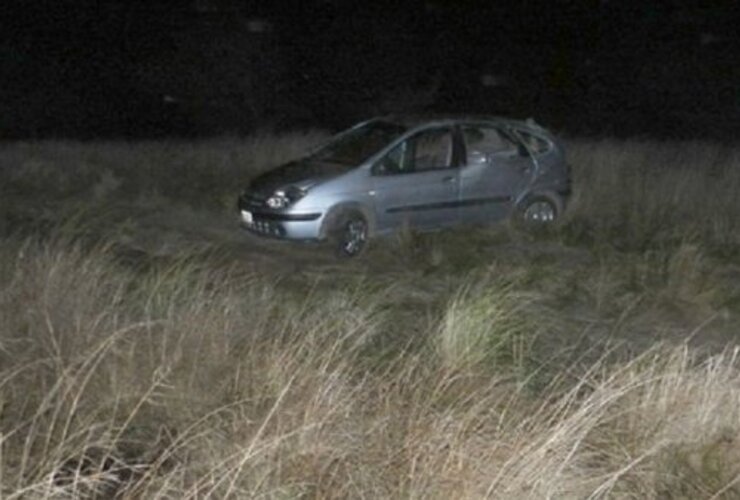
(449, 178)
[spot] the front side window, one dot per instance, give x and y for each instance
(428, 150)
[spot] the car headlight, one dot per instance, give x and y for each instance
(278, 200)
(281, 199)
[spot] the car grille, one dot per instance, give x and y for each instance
(267, 228)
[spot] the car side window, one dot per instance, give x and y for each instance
(432, 149)
(536, 144)
(428, 150)
(482, 143)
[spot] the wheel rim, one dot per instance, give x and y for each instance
(354, 237)
(540, 212)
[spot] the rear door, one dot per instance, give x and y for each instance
(417, 183)
(496, 168)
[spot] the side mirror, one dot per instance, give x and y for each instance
(379, 168)
(386, 166)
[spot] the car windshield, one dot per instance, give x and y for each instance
(359, 144)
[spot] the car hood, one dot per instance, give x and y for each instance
(305, 174)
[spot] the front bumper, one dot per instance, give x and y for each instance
(293, 226)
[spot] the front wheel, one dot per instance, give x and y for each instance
(350, 235)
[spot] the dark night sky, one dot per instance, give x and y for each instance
(123, 68)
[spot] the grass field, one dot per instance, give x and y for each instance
(148, 349)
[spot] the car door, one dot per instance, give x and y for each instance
(496, 168)
(416, 183)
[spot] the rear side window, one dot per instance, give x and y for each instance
(537, 145)
(482, 142)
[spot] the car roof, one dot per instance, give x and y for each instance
(411, 121)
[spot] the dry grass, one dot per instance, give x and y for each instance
(638, 195)
(191, 382)
(201, 174)
(483, 364)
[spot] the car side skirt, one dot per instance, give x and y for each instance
(450, 204)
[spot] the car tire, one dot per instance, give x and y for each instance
(349, 235)
(538, 212)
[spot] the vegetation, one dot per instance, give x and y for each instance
(148, 352)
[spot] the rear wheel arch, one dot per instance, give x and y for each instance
(529, 199)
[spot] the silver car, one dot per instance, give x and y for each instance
(393, 172)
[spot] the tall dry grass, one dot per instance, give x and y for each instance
(631, 194)
(645, 194)
(195, 381)
(205, 174)
(439, 377)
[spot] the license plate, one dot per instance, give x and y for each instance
(247, 217)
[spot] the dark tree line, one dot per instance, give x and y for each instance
(132, 68)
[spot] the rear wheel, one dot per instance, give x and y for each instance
(537, 212)
(350, 235)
